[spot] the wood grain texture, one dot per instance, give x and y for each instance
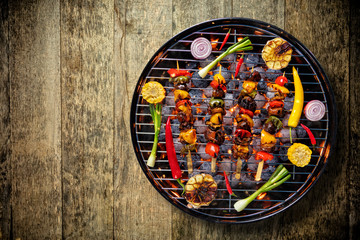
(5, 178)
(35, 119)
(87, 118)
(268, 11)
(322, 27)
(140, 212)
(354, 163)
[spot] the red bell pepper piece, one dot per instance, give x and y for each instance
(276, 104)
(311, 135)
(223, 87)
(183, 102)
(262, 155)
(225, 39)
(173, 72)
(242, 133)
(228, 187)
(214, 84)
(239, 65)
(212, 149)
(246, 111)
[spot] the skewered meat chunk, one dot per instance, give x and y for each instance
(218, 93)
(240, 151)
(217, 137)
(247, 103)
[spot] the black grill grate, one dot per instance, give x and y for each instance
(315, 87)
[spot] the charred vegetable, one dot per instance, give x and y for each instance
(153, 92)
(277, 53)
(299, 154)
(200, 190)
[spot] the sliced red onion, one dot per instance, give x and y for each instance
(314, 110)
(201, 48)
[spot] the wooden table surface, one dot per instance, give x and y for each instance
(68, 70)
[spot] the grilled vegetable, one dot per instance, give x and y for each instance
(216, 103)
(170, 150)
(240, 151)
(311, 135)
(188, 136)
(212, 149)
(242, 137)
(277, 53)
(240, 62)
(249, 86)
(225, 39)
(299, 154)
(153, 92)
(280, 175)
(183, 106)
(242, 45)
(200, 190)
(228, 187)
(201, 48)
(173, 72)
(247, 112)
(273, 125)
(217, 137)
(267, 141)
(281, 80)
(179, 80)
(181, 95)
(298, 102)
(281, 89)
(263, 156)
(314, 110)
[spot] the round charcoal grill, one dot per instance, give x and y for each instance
(315, 84)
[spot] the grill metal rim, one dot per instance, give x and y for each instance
(329, 95)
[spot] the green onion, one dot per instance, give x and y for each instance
(155, 111)
(280, 175)
(242, 45)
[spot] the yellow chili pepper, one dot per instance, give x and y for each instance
(298, 101)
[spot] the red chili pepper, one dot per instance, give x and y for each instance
(239, 65)
(246, 111)
(170, 150)
(276, 104)
(212, 149)
(228, 187)
(182, 102)
(225, 39)
(262, 155)
(173, 72)
(242, 133)
(214, 84)
(311, 135)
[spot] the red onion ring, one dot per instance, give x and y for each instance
(201, 48)
(314, 110)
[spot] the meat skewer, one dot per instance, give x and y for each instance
(187, 136)
(244, 120)
(214, 135)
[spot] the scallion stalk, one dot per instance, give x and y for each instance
(242, 45)
(155, 111)
(280, 175)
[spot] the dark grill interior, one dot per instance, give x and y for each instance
(221, 209)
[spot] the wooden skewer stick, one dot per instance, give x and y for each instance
(177, 65)
(189, 163)
(238, 168)
(259, 171)
(213, 164)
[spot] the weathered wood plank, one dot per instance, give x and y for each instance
(34, 61)
(5, 180)
(141, 27)
(324, 29)
(87, 118)
(268, 11)
(188, 13)
(354, 163)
